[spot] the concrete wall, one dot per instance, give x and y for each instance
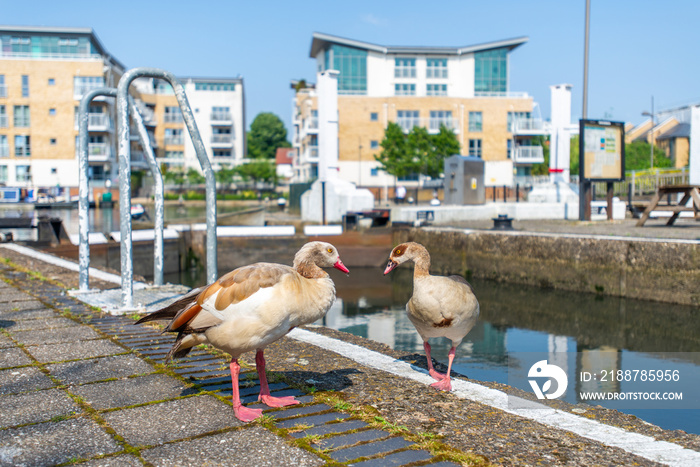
(635, 268)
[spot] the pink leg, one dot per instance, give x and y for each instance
(265, 396)
(431, 370)
(242, 413)
(445, 384)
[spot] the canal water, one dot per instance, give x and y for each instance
(519, 324)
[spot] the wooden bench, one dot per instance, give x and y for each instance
(688, 191)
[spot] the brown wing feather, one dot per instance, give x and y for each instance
(243, 282)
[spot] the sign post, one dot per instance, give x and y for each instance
(601, 159)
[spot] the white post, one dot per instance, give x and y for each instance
(694, 157)
(327, 91)
(559, 149)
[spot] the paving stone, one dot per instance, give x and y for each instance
(125, 460)
(160, 423)
(283, 393)
(5, 341)
(13, 357)
(54, 443)
(291, 412)
(352, 438)
(399, 458)
(98, 369)
(202, 364)
(58, 322)
(370, 449)
(74, 350)
(32, 407)
(443, 464)
(202, 374)
(30, 314)
(318, 424)
(131, 391)
(252, 446)
(51, 336)
(12, 295)
(23, 380)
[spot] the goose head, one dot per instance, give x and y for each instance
(404, 252)
(322, 254)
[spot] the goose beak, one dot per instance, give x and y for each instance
(339, 265)
(390, 266)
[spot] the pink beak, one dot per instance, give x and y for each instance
(339, 265)
(390, 266)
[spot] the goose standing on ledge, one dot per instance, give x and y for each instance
(251, 307)
(439, 307)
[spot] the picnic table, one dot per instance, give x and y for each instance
(688, 191)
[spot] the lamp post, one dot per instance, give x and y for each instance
(651, 132)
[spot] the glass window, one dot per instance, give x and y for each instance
(84, 84)
(52, 112)
(22, 146)
(475, 121)
(221, 114)
(352, 65)
(25, 86)
(174, 154)
(52, 141)
(52, 82)
(172, 114)
(475, 147)
(22, 116)
(407, 119)
(436, 68)
(4, 147)
(205, 86)
(404, 89)
(373, 117)
(374, 171)
(222, 153)
(404, 68)
(491, 71)
(440, 118)
(173, 136)
(374, 144)
(509, 148)
(3, 88)
(514, 117)
(436, 90)
(3, 117)
(22, 173)
(3, 173)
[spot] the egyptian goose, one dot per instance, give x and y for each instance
(251, 307)
(439, 307)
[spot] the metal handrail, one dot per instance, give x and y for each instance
(83, 198)
(127, 272)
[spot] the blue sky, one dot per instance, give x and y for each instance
(638, 48)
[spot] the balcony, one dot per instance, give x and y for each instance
(311, 125)
(174, 140)
(529, 155)
(99, 152)
(173, 118)
(221, 118)
(502, 95)
(225, 140)
(432, 124)
(311, 154)
(530, 126)
(80, 90)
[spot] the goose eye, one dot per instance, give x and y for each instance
(397, 252)
(330, 250)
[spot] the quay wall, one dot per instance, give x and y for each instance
(666, 271)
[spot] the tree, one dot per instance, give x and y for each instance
(259, 170)
(542, 168)
(445, 144)
(638, 153)
(395, 150)
(267, 133)
(194, 177)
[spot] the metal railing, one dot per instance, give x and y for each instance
(221, 117)
(174, 140)
(645, 184)
(123, 108)
(529, 154)
(172, 118)
(83, 198)
(222, 139)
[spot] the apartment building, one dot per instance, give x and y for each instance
(44, 73)
(463, 88)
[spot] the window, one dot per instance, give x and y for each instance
(172, 114)
(440, 118)
(22, 173)
(52, 82)
(475, 147)
(514, 117)
(221, 135)
(374, 144)
(404, 68)
(352, 65)
(22, 146)
(204, 86)
(52, 112)
(491, 71)
(374, 171)
(436, 68)
(222, 153)
(374, 117)
(4, 147)
(3, 174)
(407, 119)
(22, 116)
(3, 88)
(52, 141)
(475, 121)
(404, 89)
(436, 90)
(84, 84)
(3, 117)
(54, 170)
(221, 114)
(412, 177)
(25, 86)
(175, 154)
(509, 150)
(173, 136)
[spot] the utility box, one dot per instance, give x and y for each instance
(464, 180)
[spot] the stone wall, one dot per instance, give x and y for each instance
(667, 271)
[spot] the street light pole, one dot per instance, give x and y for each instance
(651, 133)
